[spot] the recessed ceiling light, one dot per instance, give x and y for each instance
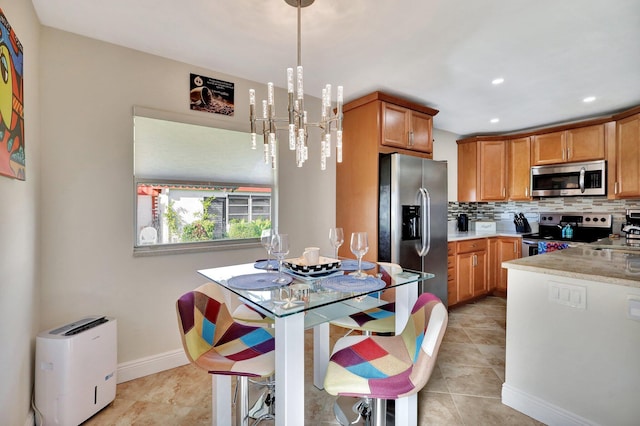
(497, 81)
(494, 120)
(589, 99)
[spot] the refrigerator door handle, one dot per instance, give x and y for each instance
(425, 206)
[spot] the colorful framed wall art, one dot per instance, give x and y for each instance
(12, 159)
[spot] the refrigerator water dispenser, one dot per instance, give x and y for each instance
(411, 222)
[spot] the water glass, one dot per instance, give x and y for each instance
(267, 242)
(359, 247)
(336, 238)
(280, 248)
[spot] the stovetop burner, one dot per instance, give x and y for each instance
(586, 227)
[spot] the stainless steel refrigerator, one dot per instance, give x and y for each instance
(412, 229)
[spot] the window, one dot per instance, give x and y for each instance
(196, 185)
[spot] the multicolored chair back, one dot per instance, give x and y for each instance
(390, 367)
(215, 342)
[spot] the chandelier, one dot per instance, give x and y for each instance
(297, 121)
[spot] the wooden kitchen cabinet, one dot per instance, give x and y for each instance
(519, 169)
(492, 166)
(627, 153)
(451, 274)
(548, 148)
(507, 248)
(482, 170)
(471, 268)
(475, 266)
(492, 263)
(586, 143)
(406, 128)
(467, 171)
(572, 145)
(372, 125)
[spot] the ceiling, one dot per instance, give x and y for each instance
(441, 53)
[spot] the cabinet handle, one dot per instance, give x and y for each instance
(615, 188)
(568, 153)
(475, 260)
(411, 138)
(504, 192)
(564, 154)
(515, 248)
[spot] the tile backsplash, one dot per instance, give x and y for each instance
(504, 210)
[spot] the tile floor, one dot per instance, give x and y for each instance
(463, 390)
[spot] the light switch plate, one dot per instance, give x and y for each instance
(574, 296)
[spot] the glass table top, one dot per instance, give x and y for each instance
(322, 297)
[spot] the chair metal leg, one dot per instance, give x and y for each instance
(270, 402)
(380, 412)
(366, 411)
(242, 402)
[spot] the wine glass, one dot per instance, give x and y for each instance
(359, 247)
(280, 248)
(266, 238)
(336, 238)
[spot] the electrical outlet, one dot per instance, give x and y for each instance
(574, 296)
(633, 304)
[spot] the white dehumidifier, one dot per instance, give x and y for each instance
(75, 367)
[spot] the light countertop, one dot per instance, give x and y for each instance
(607, 261)
(470, 235)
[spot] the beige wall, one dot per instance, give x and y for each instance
(445, 148)
(88, 91)
(20, 237)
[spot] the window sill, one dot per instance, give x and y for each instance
(184, 248)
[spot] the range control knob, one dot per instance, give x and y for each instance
(587, 219)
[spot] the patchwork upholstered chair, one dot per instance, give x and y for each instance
(378, 320)
(378, 368)
(224, 347)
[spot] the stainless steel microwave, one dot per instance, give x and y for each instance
(570, 179)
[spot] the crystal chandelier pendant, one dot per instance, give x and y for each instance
(296, 123)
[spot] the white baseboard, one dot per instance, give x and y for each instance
(151, 365)
(540, 409)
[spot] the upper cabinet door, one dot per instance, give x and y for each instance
(573, 145)
(519, 165)
(467, 171)
(585, 143)
(395, 125)
(407, 129)
(420, 138)
(627, 182)
(493, 170)
(548, 148)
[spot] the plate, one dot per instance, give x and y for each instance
(263, 263)
(351, 283)
(299, 265)
(260, 281)
(352, 265)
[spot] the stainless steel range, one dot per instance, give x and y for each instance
(558, 231)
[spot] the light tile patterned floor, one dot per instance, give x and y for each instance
(464, 389)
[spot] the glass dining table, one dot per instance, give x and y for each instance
(312, 300)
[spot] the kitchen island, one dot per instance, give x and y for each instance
(573, 336)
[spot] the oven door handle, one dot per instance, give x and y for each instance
(581, 182)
